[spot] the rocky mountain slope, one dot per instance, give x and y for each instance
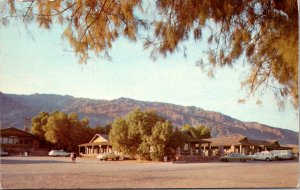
(14, 108)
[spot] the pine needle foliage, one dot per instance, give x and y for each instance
(264, 31)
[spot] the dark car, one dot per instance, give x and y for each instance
(234, 157)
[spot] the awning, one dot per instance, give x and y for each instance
(94, 144)
(201, 141)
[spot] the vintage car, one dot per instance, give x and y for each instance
(109, 156)
(265, 155)
(234, 157)
(113, 156)
(282, 154)
(3, 153)
(252, 156)
(57, 153)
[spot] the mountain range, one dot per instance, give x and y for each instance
(14, 108)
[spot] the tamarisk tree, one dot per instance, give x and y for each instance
(265, 32)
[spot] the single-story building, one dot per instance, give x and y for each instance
(97, 145)
(16, 141)
(241, 144)
(193, 146)
(100, 144)
(192, 150)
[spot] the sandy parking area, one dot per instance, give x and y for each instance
(47, 172)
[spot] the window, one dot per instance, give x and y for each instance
(10, 141)
(26, 141)
(186, 146)
(5, 140)
(16, 141)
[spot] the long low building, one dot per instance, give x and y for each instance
(193, 147)
(241, 144)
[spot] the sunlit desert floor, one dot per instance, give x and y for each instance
(47, 172)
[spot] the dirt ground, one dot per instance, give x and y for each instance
(51, 173)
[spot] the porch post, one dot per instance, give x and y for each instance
(178, 150)
(190, 148)
(240, 149)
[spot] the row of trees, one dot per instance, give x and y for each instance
(140, 133)
(150, 136)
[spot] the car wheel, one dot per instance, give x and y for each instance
(105, 159)
(243, 160)
(268, 159)
(117, 158)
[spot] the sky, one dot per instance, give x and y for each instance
(40, 62)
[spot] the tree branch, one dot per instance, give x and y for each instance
(28, 9)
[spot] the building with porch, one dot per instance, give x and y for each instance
(16, 141)
(193, 149)
(98, 144)
(240, 144)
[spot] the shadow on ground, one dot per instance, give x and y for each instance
(32, 161)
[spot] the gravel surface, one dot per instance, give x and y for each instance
(54, 173)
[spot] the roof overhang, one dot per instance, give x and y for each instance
(94, 144)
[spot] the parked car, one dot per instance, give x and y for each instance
(295, 156)
(282, 154)
(57, 153)
(234, 157)
(266, 155)
(109, 156)
(3, 153)
(252, 156)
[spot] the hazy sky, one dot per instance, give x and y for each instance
(41, 62)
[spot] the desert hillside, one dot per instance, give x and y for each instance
(16, 107)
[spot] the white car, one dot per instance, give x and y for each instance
(252, 156)
(266, 155)
(112, 156)
(282, 154)
(3, 153)
(57, 153)
(109, 156)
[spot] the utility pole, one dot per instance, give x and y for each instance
(27, 124)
